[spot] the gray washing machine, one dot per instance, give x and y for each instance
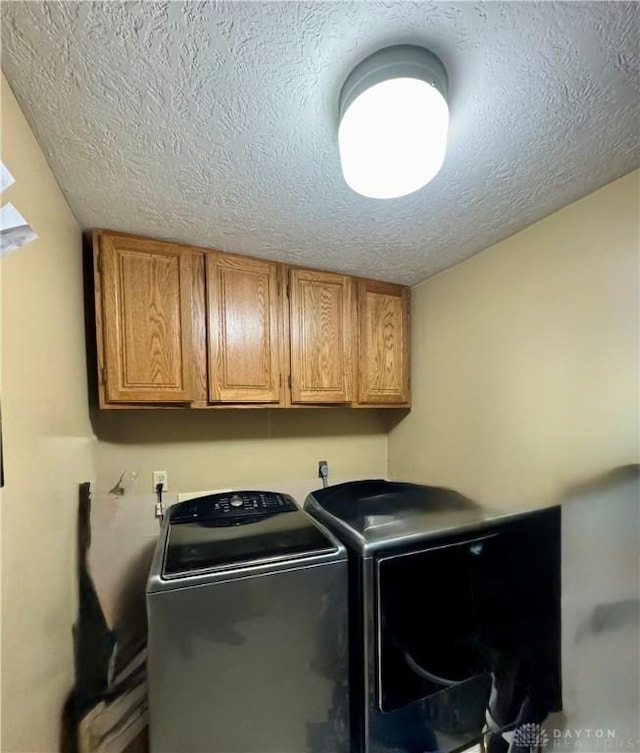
(248, 636)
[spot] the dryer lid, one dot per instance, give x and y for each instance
(374, 513)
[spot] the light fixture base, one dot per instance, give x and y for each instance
(397, 61)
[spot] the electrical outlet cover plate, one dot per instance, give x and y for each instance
(161, 477)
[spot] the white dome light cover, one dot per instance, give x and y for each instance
(393, 122)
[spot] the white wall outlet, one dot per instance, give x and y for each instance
(161, 477)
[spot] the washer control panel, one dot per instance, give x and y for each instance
(230, 507)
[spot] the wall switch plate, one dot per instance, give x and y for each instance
(161, 477)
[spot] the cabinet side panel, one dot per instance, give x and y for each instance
(198, 324)
(99, 318)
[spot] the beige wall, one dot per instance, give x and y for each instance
(525, 371)
(1, 504)
(525, 359)
(238, 448)
(47, 446)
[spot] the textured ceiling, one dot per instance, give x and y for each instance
(215, 123)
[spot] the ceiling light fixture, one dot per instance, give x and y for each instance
(393, 122)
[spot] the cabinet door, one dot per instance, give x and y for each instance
(245, 347)
(322, 334)
(383, 363)
(145, 290)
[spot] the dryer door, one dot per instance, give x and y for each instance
(449, 615)
(436, 613)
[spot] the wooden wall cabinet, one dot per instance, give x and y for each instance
(383, 317)
(244, 329)
(143, 309)
(322, 336)
(179, 325)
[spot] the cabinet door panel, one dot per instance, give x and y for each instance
(199, 325)
(321, 337)
(244, 330)
(146, 295)
(384, 343)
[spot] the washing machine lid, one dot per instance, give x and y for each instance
(375, 514)
(210, 534)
